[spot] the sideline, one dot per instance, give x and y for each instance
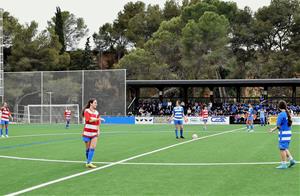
(137, 163)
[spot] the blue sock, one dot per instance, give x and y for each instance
(0, 131)
(181, 132)
(6, 131)
(90, 155)
(87, 153)
(176, 132)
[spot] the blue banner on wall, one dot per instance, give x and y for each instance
(118, 120)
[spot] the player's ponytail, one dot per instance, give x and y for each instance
(87, 106)
(282, 105)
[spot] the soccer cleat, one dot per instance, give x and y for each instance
(251, 131)
(6, 135)
(90, 165)
(2, 135)
(292, 163)
(282, 166)
(177, 137)
(181, 137)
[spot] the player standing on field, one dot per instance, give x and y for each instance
(178, 117)
(250, 119)
(284, 125)
(262, 117)
(67, 116)
(5, 115)
(91, 130)
(204, 115)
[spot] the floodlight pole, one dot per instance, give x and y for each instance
(1, 57)
(50, 102)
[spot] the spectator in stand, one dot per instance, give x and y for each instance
(156, 108)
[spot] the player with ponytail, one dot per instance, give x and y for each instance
(284, 125)
(91, 130)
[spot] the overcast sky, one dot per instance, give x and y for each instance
(94, 12)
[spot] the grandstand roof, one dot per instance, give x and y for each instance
(208, 83)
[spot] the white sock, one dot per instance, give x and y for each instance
(283, 162)
(291, 158)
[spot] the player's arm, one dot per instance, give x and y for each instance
(93, 119)
(273, 129)
(171, 117)
(184, 116)
(278, 123)
(10, 116)
(90, 119)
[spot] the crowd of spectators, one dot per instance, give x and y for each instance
(165, 108)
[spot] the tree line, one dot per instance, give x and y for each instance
(193, 39)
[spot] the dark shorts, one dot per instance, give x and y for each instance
(283, 145)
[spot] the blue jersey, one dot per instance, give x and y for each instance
(285, 132)
(178, 113)
(250, 113)
(261, 114)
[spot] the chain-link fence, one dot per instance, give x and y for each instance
(65, 87)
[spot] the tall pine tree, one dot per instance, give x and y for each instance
(87, 59)
(59, 29)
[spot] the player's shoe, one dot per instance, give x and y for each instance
(251, 131)
(2, 135)
(292, 163)
(6, 135)
(181, 137)
(282, 166)
(90, 165)
(177, 137)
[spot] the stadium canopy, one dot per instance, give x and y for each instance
(136, 85)
(215, 83)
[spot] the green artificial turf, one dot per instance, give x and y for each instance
(161, 175)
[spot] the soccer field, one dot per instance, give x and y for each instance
(147, 160)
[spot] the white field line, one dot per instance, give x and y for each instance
(133, 132)
(40, 135)
(137, 163)
(115, 163)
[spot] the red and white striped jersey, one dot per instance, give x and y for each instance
(91, 129)
(68, 114)
(204, 113)
(5, 113)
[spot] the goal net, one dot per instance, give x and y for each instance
(50, 113)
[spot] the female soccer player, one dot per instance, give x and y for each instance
(178, 116)
(284, 124)
(5, 115)
(67, 115)
(204, 115)
(91, 130)
(250, 119)
(262, 117)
